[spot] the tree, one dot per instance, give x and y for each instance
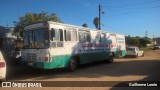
(54, 17)
(131, 41)
(137, 41)
(84, 25)
(96, 22)
(30, 18)
(144, 41)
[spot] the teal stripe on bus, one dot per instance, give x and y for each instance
(61, 61)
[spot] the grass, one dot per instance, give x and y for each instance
(146, 48)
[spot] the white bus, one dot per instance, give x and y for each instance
(52, 45)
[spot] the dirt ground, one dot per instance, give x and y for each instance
(123, 69)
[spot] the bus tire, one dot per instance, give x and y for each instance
(111, 59)
(72, 64)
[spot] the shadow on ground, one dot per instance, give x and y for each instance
(153, 77)
(93, 70)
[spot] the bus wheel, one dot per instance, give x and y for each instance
(72, 65)
(111, 59)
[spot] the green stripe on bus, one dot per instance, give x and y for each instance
(61, 61)
(120, 53)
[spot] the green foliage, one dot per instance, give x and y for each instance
(140, 45)
(84, 25)
(96, 22)
(144, 42)
(30, 18)
(131, 41)
(146, 48)
(137, 41)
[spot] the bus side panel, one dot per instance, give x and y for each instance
(58, 61)
(97, 53)
(118, 44)
(121, 45)
(94, 56)
(61, 61)
(113, 44)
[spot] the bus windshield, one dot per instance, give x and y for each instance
(37, 38)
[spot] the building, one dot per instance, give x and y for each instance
(7, 40)
(156, 41)
(6, 32)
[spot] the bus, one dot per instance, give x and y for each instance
(50, 45)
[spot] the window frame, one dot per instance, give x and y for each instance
(102, 40)
(66, 35)
(59, 37)
(85, 36)
(72, 34)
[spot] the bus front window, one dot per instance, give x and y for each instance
(37, 38)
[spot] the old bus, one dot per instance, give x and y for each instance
(52, 45)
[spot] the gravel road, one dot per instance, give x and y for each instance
(123, 69)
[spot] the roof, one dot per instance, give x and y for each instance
(68, 25)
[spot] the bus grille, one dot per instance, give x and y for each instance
(31, 57)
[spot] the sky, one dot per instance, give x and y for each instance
(128, 17)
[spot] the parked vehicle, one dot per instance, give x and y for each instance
(52, 45)
(156, 47)
(134, 51)
(2, 68)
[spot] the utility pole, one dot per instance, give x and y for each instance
(146, 34)
(7, 24)
(153, 40)
(99, 9)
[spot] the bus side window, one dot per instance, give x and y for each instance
(65, 38)
(98, 38)
(81, 37)
(55, 34)
(67, 35)
(84, 37)
(74, 35)
(88, 37)
(52, 33)
(103, 35)
(61, 34)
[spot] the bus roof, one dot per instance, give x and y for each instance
(41, 24)
(68, 25)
